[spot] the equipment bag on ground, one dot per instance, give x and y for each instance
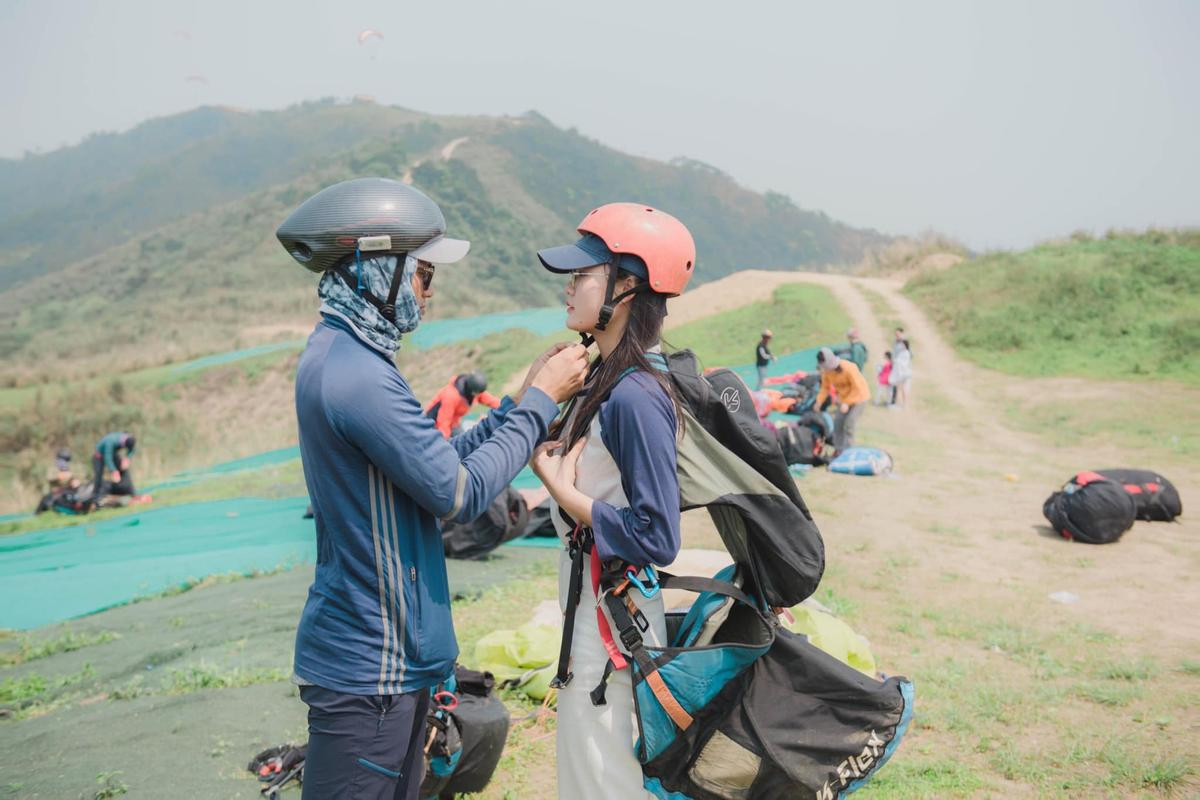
(1091, 508)
(862, 461)
(505, 520)
(736, 707)
(1154, 497)
(467, 728)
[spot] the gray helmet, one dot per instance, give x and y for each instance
(374, 216)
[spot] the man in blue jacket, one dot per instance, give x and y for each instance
(376, 631)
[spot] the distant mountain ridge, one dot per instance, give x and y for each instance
(157, 244)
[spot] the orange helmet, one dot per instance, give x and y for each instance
(661, 243)
(660, 240)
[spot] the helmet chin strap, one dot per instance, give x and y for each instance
(610, 303)
(387, 309)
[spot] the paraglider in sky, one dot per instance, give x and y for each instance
(199, 80)
(368, 33)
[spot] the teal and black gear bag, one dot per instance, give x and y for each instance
(736, 707)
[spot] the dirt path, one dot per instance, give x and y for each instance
(960, 468)
(448, 150)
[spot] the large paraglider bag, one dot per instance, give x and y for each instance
(1091, 508)
(1155, 498)
(772, 716)
(73, 501)
(506, 519)
(540, 523)
(801, 445)
(467, 728)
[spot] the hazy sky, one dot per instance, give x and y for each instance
(1000, 123)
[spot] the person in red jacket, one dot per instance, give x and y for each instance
(454, 400)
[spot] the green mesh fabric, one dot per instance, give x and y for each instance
(784, 364)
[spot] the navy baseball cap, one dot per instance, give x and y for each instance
(590, 251)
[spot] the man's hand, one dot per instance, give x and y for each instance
(536, 367)
(844, 408)
(563, 373)
(115, 477)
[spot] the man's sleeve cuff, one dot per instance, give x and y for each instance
(540, 402)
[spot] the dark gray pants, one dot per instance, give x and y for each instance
(363, 747)
(844, 426)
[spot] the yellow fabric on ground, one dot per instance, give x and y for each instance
(835, 637)
(526, 654)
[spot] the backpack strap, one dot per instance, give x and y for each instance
(624, 614)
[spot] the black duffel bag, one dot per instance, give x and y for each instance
(506, 519)
(1155, 498)
(467, 729)
(1091, 508)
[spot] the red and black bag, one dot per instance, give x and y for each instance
(1091, 508)
(1155, 498)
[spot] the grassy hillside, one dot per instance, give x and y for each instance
(65, 206)
(157, 245)
(190, 418)
(1127, 306)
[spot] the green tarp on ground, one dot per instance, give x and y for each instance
(784, 364)
(434, 333)
(52, 575)
(137, 701)
(438, 332)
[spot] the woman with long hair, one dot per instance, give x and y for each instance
(611, 469)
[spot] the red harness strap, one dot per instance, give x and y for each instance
(614, 653)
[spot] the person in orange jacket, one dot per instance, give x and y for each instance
(840, 376)
(454, 400)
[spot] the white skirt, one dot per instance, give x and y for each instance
(595, 743)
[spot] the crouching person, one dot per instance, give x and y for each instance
(376, 631)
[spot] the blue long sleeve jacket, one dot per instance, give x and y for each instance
(380, 476)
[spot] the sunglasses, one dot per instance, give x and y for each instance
(425, 273)
(575, 277)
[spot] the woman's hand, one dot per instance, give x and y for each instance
(556, 470)
(557, 473)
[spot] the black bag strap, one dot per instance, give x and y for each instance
(691, 583)
(579, 545)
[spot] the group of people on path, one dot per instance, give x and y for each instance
(843, 384)
(376, 632)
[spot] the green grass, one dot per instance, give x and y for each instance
(197, 677)
(799, 315)
(881, 309)
(1123, 307)
(29, 648)
(33, 687)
